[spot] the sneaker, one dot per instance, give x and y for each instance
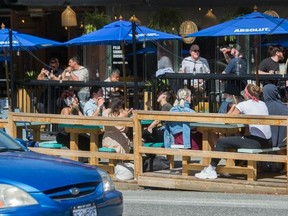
(206, 174)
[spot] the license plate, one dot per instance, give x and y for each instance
(85, 210)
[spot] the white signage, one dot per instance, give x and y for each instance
(252, 30)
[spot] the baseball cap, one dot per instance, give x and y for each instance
(235, 46)
(232, 89)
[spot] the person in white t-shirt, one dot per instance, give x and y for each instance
(74, 72)
(195, 64)
(260, 135)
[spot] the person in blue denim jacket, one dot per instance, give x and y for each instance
(180, 131)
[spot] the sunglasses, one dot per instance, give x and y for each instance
(196, 51)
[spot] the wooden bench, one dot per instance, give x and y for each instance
(251, 169)
(50, 144)
(154, 144)
(257, 151)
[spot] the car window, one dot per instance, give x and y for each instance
(7, 142)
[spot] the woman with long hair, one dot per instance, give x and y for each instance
(71, 104)
(259, 137)
(117, 137)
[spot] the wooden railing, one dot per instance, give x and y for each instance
(73, 120)
(140, 150)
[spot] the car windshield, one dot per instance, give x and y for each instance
(7, 143)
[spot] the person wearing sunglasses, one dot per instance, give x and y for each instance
(194, 63)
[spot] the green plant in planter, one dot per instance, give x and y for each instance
(94, 21)
(167, 20)
(30, 75)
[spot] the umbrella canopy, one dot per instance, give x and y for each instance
(11, 40)
(254, 23)
(21, 41)
(119, 31)
(146, 50)
(123, 32)
(281, 42)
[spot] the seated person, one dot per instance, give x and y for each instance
(95, 105)
(53, 68)
(155, 131)
(71, 104)
(113, 77)
(275, 107)
(71, 107)
(260, 135)
(116, 136)
(181, 132)
(231, 96)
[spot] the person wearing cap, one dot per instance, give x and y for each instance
(231, 95)
(238, 64)
(259, 137)
(270, 65)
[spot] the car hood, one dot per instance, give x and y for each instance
(39, 172)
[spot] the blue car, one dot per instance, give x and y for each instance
(38, 184)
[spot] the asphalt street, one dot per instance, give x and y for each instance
(174, 203)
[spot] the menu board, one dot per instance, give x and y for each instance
(117, 56)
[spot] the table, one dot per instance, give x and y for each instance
(207, 129)
(35, 126)
(75, 130)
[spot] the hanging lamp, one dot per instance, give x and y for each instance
(68, 17)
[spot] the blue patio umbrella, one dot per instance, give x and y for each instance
(254, 23)
(123, 32)
(280, 42)
(147, 50)
(11, 40)
(24, 41)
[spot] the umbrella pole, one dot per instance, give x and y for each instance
(136, 99)
(11, 107)
(7, 84)
(256, 58)
(124, 74)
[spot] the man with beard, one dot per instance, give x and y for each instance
(270, 65)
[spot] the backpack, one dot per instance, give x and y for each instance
(155, 162)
